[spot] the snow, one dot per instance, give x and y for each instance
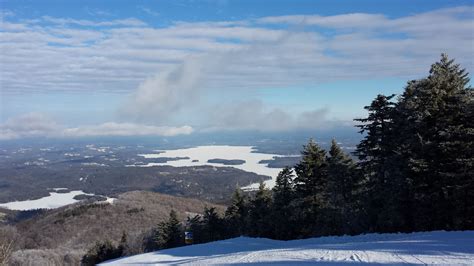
(204, 153)
(438, 247)
(59, 188)
(94, 164)
(54, 200)
(110, 200)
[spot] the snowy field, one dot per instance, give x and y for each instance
(441, 248)
(200, 155)
(54, 200)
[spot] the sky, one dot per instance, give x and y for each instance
(164, 68)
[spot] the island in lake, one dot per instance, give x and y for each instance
(227, 162)
(280, 162)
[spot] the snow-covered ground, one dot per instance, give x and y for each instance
(200, 155)
(54, 200)
(439, 247)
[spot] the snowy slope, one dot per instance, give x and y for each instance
(444, 248)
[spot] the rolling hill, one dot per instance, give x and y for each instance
(62, 236)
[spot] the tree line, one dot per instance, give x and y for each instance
(414, 173)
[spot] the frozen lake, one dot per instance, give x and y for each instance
(54, 200)
(199, 156)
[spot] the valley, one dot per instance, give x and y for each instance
(31, 171)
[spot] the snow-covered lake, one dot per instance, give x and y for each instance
(199, 156)
(54, 200)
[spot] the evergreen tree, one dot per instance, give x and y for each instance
(282, 210)
(259, 213)
(311, 170)
(461, 142)
(378, 159)
(196, 226)
(213, 225)
(283, 191)
(343, 191)
(435, 117)
(170, 233)
(236, 214)
(310, 187)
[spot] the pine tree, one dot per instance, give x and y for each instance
(170, 233)
(311, 170)
(310, 187)
(461, 142)
(213, 225)
(342, 190)
(196, 226)
(259, 213)
(384, 184)
(283, 191)
(435, 115)
(282, 210)
(236, 214)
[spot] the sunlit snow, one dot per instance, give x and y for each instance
(54, 200)
(442, 248)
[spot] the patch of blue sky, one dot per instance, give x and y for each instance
(58, 45)
(345, 98)
(325, 31)
(392, 35)
(230, 40)
(217, 10)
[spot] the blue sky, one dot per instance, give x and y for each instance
(84, 68)
(167, 12)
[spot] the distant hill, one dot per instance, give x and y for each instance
(63, 235)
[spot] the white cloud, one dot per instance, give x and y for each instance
(126, 129)
(255, 115)
(40, 125)
(28, 125)
(166, 93)
(117, 55)
(168, 70)
(452, 20)
(353, 20)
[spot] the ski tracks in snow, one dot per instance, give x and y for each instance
(442, 248)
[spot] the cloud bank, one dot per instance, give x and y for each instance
(126, 129)
(254, 115)
(117, 55)
(170, 72)
(33, 125)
